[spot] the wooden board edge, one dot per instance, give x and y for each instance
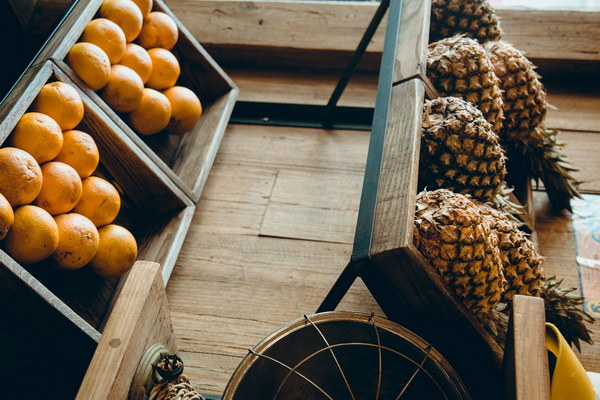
(140, 318)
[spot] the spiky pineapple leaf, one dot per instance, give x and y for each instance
(548, 163)
(565, 310)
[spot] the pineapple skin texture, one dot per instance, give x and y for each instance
(475, 18)
(460, 151)
(524, 96)
(452, 233)
(460, 67)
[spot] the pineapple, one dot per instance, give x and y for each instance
(460, 151)
(523, 134)
(460, 67)
(475, 18)
(521, 262)
(452, 233)
(524, 96)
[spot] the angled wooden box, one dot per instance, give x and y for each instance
(62, 313)
(188, 158)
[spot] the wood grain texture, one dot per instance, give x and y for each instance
(140, 318)
(553, 34)
(394, 213)
(411, 56)
(526, 356)
(322, 201)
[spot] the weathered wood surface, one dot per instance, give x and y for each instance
(397, 190)
(525, 363)
(140, 318)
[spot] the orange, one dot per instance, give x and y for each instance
(61, 188)
(78, 241)
(60, 101)
(144, 5)
(117, 252)
(124, 13)
(20, 176)
(90, 63)
(100, 201)
(153, 113)
(137, 58)
(159, 30)
(7, 216)
(165, 69)
(186, 109)
(108, 36)
(123, 92)
(79, 150)
(37, 134)
(33, 236)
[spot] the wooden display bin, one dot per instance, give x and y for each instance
(60, 314)
(188, 158)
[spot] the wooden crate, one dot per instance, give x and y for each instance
(65, 311)
(186, 159)
(39, 16)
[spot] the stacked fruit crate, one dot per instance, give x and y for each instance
(157, 175)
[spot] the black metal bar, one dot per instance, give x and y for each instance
(300, 115)
(351, 67)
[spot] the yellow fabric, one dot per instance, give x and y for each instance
(569, 380)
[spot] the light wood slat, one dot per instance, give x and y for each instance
(140, 318)
(303, 87)
(575, 107)
(411, 56)
(339, 26)
(553, 34)
(526, 360)
(582, 149)
(394, 213)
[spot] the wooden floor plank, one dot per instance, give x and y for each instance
(582, 147)
(314, 205)
(295, 148)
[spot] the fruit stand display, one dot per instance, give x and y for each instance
(89, 48)
(152, 208)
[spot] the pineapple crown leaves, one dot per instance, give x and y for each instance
(564, 310)
(548, 162)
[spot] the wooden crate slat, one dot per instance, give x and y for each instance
(140, 318)
(411, 57)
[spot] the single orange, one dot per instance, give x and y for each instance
(79, 150)
(117, 252)
(61, 188)
(165, 69)
(37, 134)
(159, 30)
(137, 58)
(124, 90)
(20, 176)
(60, 101)
(33, 236)
(7, 216)
(108, 36)
(145, 6)
(90, 63)
(186, 109)
(100, 201)
(78, 241)
(153, 113)
(124, 13)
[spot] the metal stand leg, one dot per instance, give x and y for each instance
(351, 67)
(339, 288)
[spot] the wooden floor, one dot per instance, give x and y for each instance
(275, 224)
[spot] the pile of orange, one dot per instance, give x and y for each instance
(125, 54)
(51, 206)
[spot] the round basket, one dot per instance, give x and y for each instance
(342, 356)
